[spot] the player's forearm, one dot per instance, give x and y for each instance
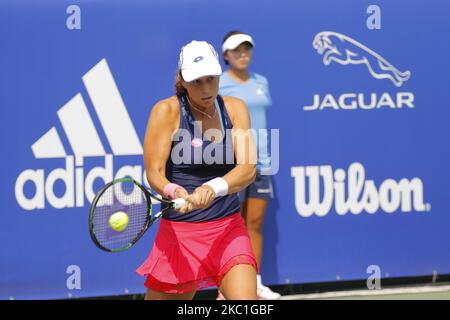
(240, 177)
(157, 179)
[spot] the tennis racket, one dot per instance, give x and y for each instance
(133, 202)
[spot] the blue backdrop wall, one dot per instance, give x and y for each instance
(362, 115)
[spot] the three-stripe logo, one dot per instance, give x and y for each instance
(79, 127)
(84, 140)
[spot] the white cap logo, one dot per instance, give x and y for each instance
(199, 58)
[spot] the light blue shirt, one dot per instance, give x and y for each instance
(255, 93)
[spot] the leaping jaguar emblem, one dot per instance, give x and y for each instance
(345, 50)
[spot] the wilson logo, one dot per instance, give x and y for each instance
(351, 192)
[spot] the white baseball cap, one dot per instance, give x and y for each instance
(199, 59)
(235, 40)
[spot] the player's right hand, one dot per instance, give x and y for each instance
(189, 204)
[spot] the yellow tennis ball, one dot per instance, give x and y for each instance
(118, 221)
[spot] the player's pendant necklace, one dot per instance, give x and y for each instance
(202, 112)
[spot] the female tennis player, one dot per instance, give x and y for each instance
(253, 88)
(205, 243)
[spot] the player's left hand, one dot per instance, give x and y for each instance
(203, 196)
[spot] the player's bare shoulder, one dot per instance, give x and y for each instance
(166, 111)
(168, 107)
(235, 107)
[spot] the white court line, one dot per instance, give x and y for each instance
(352, 293)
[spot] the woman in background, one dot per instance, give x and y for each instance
(253, 89)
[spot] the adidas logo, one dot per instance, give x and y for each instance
(84, 140)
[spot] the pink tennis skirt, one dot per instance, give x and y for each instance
(189, 256)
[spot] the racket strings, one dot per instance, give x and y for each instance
(126, 197)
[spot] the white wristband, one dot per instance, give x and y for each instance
(219, 185)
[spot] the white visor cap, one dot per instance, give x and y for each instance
(235, 40)
(198, 59)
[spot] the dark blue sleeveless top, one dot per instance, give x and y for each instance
(195, 160)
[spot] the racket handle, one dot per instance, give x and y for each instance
(178, 203)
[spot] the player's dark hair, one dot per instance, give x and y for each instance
(179, 88)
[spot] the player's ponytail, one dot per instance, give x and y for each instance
(179, 88)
